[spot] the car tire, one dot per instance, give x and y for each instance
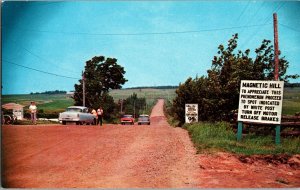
(132, 123)
(64, 122)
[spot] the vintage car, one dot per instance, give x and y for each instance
(144, 119)
(78, 114)
(127, 119)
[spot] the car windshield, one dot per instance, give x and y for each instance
(144, 117)
(127, 116)
(74, 110)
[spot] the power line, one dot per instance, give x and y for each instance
(237, 21)
(144, 33)
(276, 9)
(45, 72)
(43, 59)
(286, 26)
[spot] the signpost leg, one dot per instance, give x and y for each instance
(240, 130)
(277, 138)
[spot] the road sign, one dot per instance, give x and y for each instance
(191, 113)
(260, 101)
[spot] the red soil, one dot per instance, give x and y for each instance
(115, 156)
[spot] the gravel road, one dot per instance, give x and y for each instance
(112, 156)
(116, 156)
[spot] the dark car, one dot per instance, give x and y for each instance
(144, 119)
(127, 119)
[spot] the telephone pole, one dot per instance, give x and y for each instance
(276, 60)
(83, 88)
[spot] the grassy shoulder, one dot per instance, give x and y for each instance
(213, 137)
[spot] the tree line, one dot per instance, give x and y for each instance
(217, 94)
(51, 92)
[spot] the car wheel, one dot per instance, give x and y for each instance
(95, 122)
(64, 122)
(132, 123)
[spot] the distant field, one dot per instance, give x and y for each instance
(291, 101)
(58, 102)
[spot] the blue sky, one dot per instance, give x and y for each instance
(158, 43)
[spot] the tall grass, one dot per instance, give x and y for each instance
(210, 137)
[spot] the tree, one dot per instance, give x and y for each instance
(134, 105)
(100, 75)
(218, 93)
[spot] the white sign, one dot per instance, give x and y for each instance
(191, 113)
(261, 101)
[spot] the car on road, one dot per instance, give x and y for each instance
(144, 119)
(78, 114)
(127, 119)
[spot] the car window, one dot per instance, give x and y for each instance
(144, 117)
(127, 116)
(73, 110)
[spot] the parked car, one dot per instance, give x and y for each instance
(78, 114)
(144, 119)
(127, 119)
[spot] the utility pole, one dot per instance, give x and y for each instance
(276, 60)
(121, 106)
(133, 108)
(83, 88)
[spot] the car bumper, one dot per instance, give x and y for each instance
(69, 119)
(144, 122)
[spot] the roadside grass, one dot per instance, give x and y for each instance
(212, 137)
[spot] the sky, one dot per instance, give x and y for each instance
(45, 44)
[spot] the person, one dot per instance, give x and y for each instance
(32, 109)
(100, 115)
(96, 115)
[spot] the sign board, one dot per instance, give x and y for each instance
(18, 113)
(191, 113)
(260, 101)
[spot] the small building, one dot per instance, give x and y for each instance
(17, 109)
(70, 94)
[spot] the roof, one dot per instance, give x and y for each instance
(81, 107)
(12, 106)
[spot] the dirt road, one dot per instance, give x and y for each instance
(116, 156)
(112, 156)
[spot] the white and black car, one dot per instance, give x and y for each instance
(77, 114)
(144, 120)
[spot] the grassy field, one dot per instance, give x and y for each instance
(291, 101)
(58, 102)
